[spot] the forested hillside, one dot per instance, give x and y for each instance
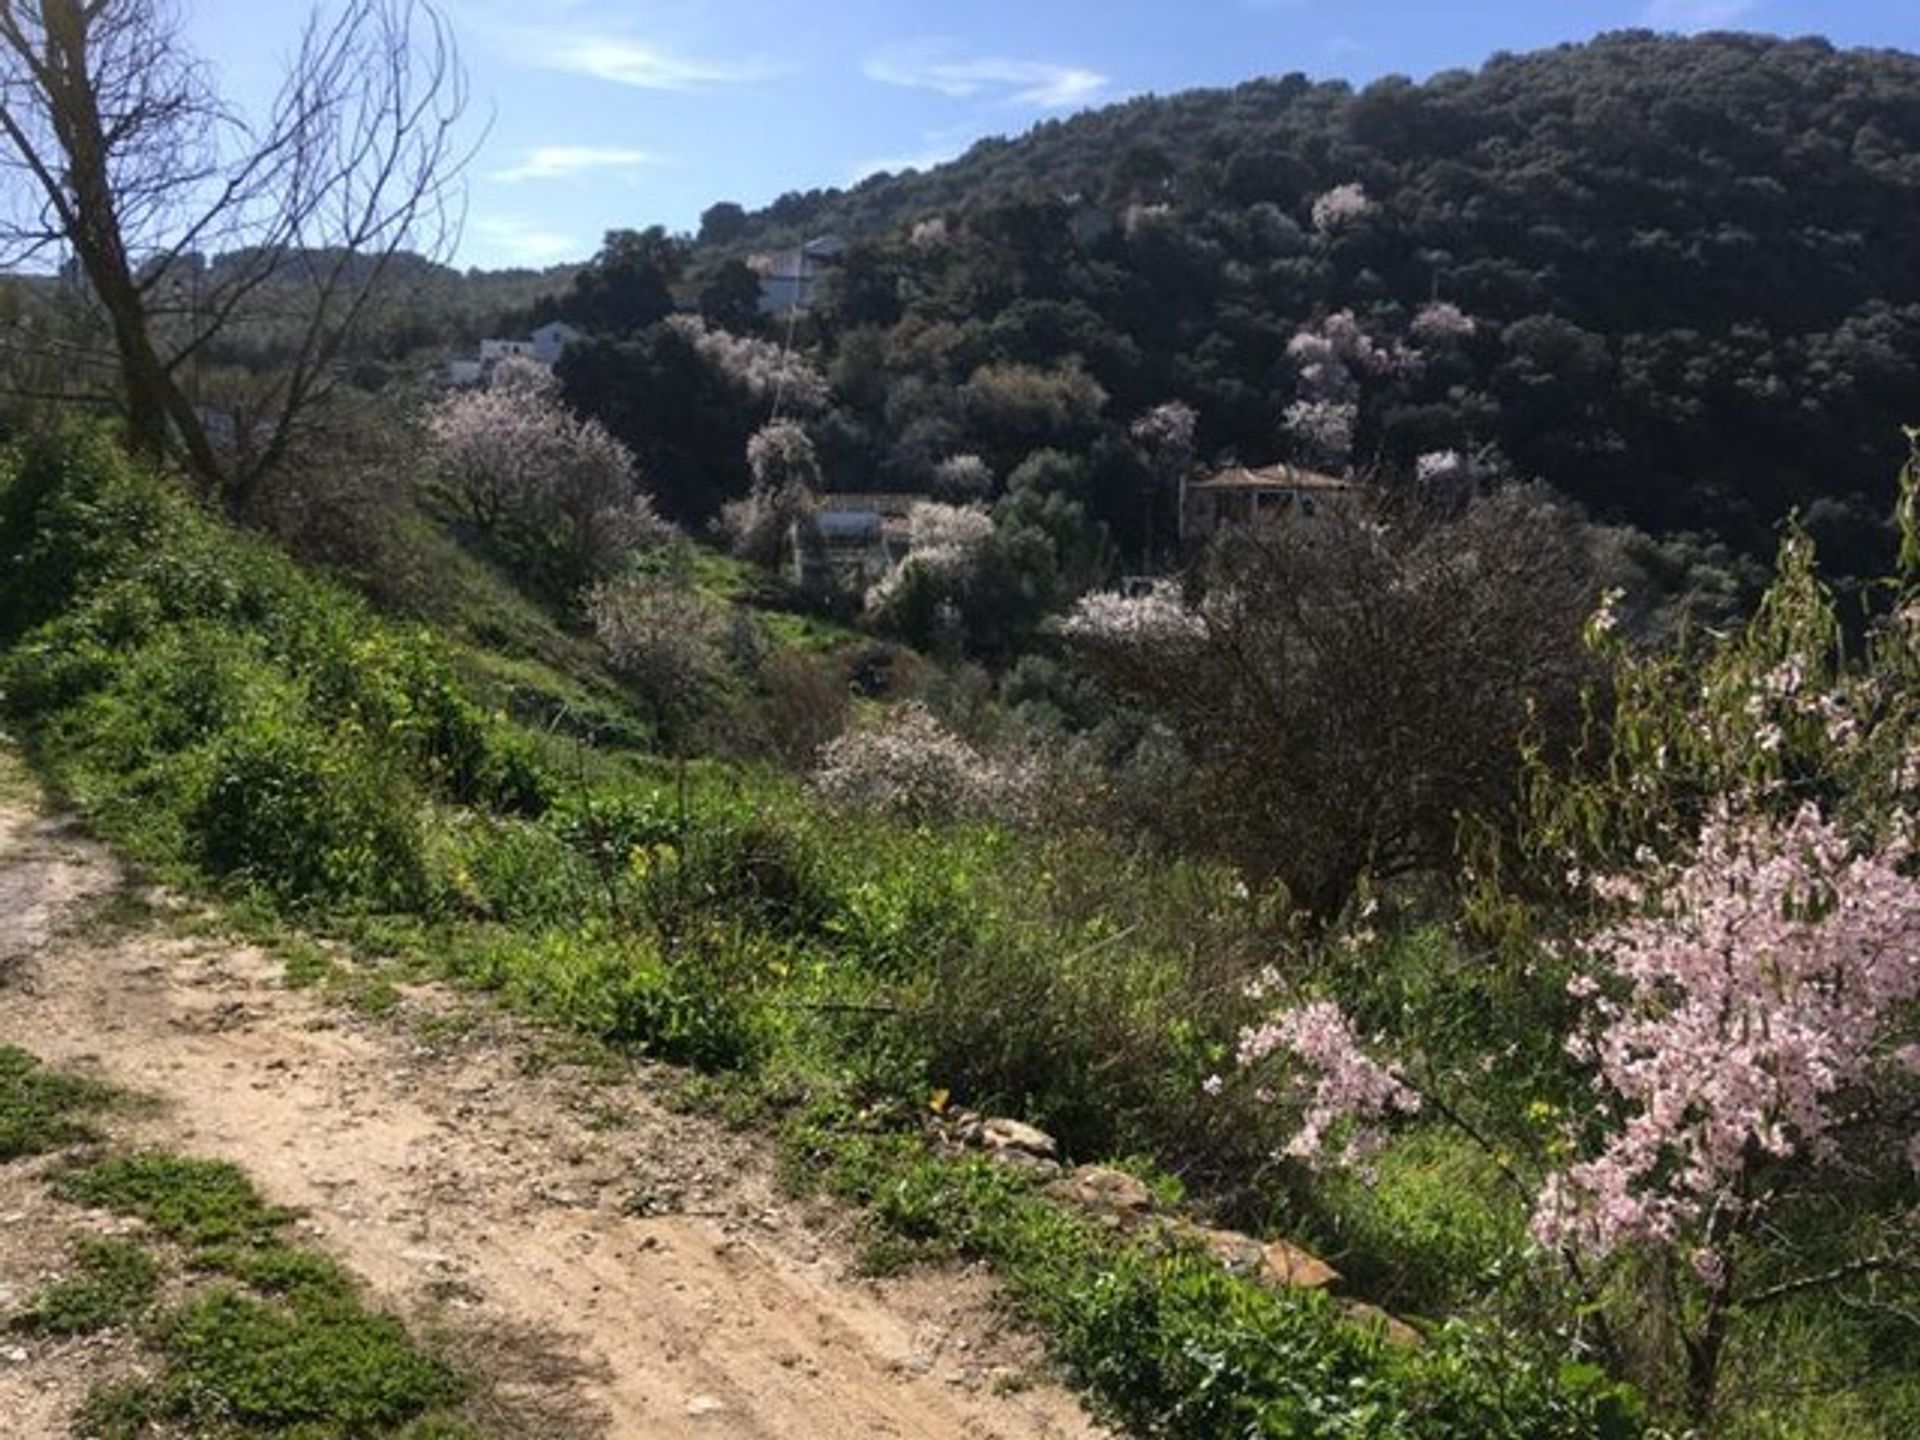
(1677, 278)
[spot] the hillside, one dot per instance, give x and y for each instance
(1688, 269)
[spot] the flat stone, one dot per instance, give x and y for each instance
(1111, 1194)
(1001, 1133)
(701, 1405)
(1232, 1251)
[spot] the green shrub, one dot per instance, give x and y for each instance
(42, 1110)
(1170, 1344)
(208, 704)
(318, 1367)
(306, 815)
(200, 1203)
(113, 1283)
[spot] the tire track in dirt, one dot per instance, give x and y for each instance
(598, 1253)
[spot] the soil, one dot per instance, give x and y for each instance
(611, 1265)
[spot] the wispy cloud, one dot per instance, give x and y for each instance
(519, 239)
(1695, 14)
(561, 162)
(623, 61)
(1035, 83)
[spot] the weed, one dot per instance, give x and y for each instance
(200, 1203)
(320, 1367)
(113, 1284)
(41, 1110)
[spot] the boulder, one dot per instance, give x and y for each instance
(1114, 1196)
(1285, 1264)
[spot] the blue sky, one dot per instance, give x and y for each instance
(607, 113)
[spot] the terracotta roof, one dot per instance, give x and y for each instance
(1270, 477)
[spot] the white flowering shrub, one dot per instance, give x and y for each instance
(1322, 431)
(762, 370)
(1154, 624)
(944, 543)
(663, 636)
(911, 765)
(1340, 207)
(1441, 320)
(519, 466)
(963, 478)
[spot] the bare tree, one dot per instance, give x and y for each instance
(1355, 684)
(115, 146)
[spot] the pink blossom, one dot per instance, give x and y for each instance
(1762, 989)
(1348, 1085)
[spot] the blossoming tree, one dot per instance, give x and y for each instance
(1742, 1007)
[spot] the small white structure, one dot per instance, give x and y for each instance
(550, 340)
(543, 348)
(790, 280)
(492, 352)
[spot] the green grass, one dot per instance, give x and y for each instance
(199, 1203)
(314, 1367)
(41, 1110)
(289, 1350)
(239, 724)
(113, 1284)
(1169, 1344)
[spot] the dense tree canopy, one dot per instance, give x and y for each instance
(1679, 279)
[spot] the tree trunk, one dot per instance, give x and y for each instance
(158, 410)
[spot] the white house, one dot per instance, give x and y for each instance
(544, 348)
(551, 339)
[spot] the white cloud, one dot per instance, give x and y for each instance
(517, 238)
(1695, 14)
(646, 67)
(559, 162)
(1036, 83)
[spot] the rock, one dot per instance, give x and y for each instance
(1113, 1195)
(1233, 1252)
(1284, 1264)
(1001, 1133)
(1398, 1332)
(703, 1405)
(1271, 1262)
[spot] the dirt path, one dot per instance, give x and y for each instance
(605, 1257)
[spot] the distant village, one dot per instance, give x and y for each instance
(853, 539)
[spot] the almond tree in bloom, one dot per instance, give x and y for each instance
(1743, 1017)
(786, 484)
(1750, 1022)
(762, 370)
(1340, 207)
(1334, 359)
(522, 468)
(912, 765)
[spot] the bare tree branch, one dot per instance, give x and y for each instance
(115, 146)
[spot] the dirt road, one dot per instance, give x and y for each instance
(628, 1270)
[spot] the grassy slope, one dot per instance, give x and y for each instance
(240, 725)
